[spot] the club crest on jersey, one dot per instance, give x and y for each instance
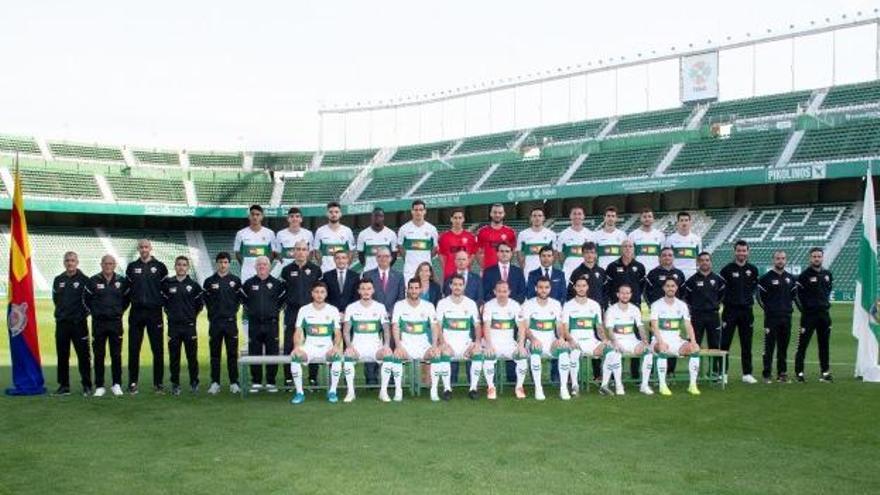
(269, 285)
(17, 318)
(189, 288)
(76, 284)
(712, 282)
(503, 237)
(748, 273)
(153, 269)
(232, 283)
(308, 271)
(117, 284)
(827, 278)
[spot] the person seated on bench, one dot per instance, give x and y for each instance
(416, 335)
(583, 329)
(624, 323)
(669, 316)
(539, 320)
(367, 339)
(459, 334)
(317, 339)
(501, 338)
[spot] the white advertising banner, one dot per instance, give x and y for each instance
(699, 77)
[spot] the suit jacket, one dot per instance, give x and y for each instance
(435, 293)
(473, 287)
(348, 294)
(395, 288)
(515, 279)
(558, 284)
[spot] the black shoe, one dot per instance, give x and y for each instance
(605, 391)
(313, 382)
(133, 388)
(175, 390)
(87, 391)
(473, 394)
(446, 395)
(826, 377)
(768, 380)
(782, 378)
(159, 389)
(62, 391)
(800, 378)
(194, 387)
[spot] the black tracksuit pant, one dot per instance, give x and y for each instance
(107, 333)
(818, 322)
(75, 333)
(708, 323)
(140, 319)
(185, 336)
(222, 333)
(263, 340)
(738, 318)
(777, 334)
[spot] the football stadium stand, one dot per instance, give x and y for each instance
(15, 144)
(86, 152)
(157, 157)
(738, 151)
(215, 160)
(293, 160)
(527, 173)
(786, 103)
(421, 151)
(633, 162)
(451, 181)
(846, 141)
(674, 118)
(347, 158)
(490, 142)
(853, 94)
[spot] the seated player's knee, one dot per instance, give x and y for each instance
(401, 353)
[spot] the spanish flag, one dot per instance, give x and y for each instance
(21, 317)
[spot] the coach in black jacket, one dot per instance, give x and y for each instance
(776, 290)
(145, 275)
(222, 302)
(183, 300)
(741, 278)
(263, 297)
(298, 278)
(813, 298)
(107, 298)
(596, 276)
(71, 327)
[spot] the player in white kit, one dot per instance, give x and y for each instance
(331, 238)
(647, 241)
(286, 239)
(502, 340)
(569, 241)
(608, 238)
(669, 317)
(317, 339)
(374, 237)
(459, 321)
(530, 241)
(416, 333)
(685, 245)
(367, 336)
(417, 240)
(540, 320)
(583, 329)
(623, 325)
(250, 243)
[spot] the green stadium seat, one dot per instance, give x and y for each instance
(489, 142)
(218, 241)
(632, 162)
(157, 157)
(310, 191)
(347, 158)
(675, 118)
(18, 144)
(852, 94)
(786, 103)
(849, 141)
(565, 132)
(739, 150)
(247, 190)
(287, 160)
(55, 184)
(541, 172)
(147, 189)
(451, 181)
(389, 187)
(421, 151)
(215, 160)
(86, 152)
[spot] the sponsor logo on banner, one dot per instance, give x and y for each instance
(808, 172)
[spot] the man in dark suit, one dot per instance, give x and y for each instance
(341, 282)
(473, 288)
(558, 284)
(388, 288)
(504, 270)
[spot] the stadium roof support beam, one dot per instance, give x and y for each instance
(612, 122)
(418, 184)
(575, 165)
(105, 188)
(477, 185)
(790, 147)
(189, 190)
(277, 192)
(817, 100)
(667, 160)
(44, 148)
(198, 252)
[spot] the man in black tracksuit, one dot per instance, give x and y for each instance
(107, 296)
(741, 278)
(776, 290)
(145, 275)
(626, 270)
(183, 300)
(298, 278)
(71, 327)
(813, 299)
(704, 292)
(222, 300)
(653, 284)
(262, 297)
(597, 290)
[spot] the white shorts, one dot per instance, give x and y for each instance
(673, 340)
(316, 349)
(415, 345)
(627, 343)
(459, 342)
(586, 340)
(366, 346)
(504, 344)
(546, 339)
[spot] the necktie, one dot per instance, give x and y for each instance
(384, 280)
(504, 273)
(341, 281)
(547, 272)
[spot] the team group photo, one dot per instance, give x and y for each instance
(382, 248)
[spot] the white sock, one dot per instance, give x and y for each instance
(476, 370)
(296, 374)
(612, 367)
(522, 367)
(335, 371)
(446, 375)
(348, 371)
(662, 364)
(574, 367)
(563, 363)
(489, 372)
(435, 374)
(694, 368)
(536, 365)
(386, 371)
(647, 361)
(397, 372)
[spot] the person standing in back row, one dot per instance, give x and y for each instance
(776, 290)
(222, 301)
(608, 239)
(741, 278)
(685, 244)
(813, 298)
(493, 235)
(648, 241)
(250, 243)
(417, 240)
(71, 325)
(145, 275)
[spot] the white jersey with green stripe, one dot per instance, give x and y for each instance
(318, 324)
(419, 242)
(285, 240)
(685, 248)
(501, 319)
(569, 243)
(414, 320)
(647, 245)
(461, 316)
(251, 245)
(368, 241)
(623, 322)
(529, 242)
(582, 319)
(608, 245)
(670, 318)
(366, 319)
(328, 241)
(541, 317)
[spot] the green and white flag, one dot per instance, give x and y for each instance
(865, 325)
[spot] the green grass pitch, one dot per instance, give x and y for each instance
(795, 438)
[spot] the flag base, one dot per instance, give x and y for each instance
(872, 374)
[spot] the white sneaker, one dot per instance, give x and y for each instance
(255, 388)
(271, 388)
(100, 392)
(646, 389)
(349, 396)
(563, 393)
(749, 379)
(575, 390)
(214, 389)
(724, 379)
(234, 388)
(116, 389)
(618, 390)
(398, 395)
(539, 394)
(434, 395)
(383, 396)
